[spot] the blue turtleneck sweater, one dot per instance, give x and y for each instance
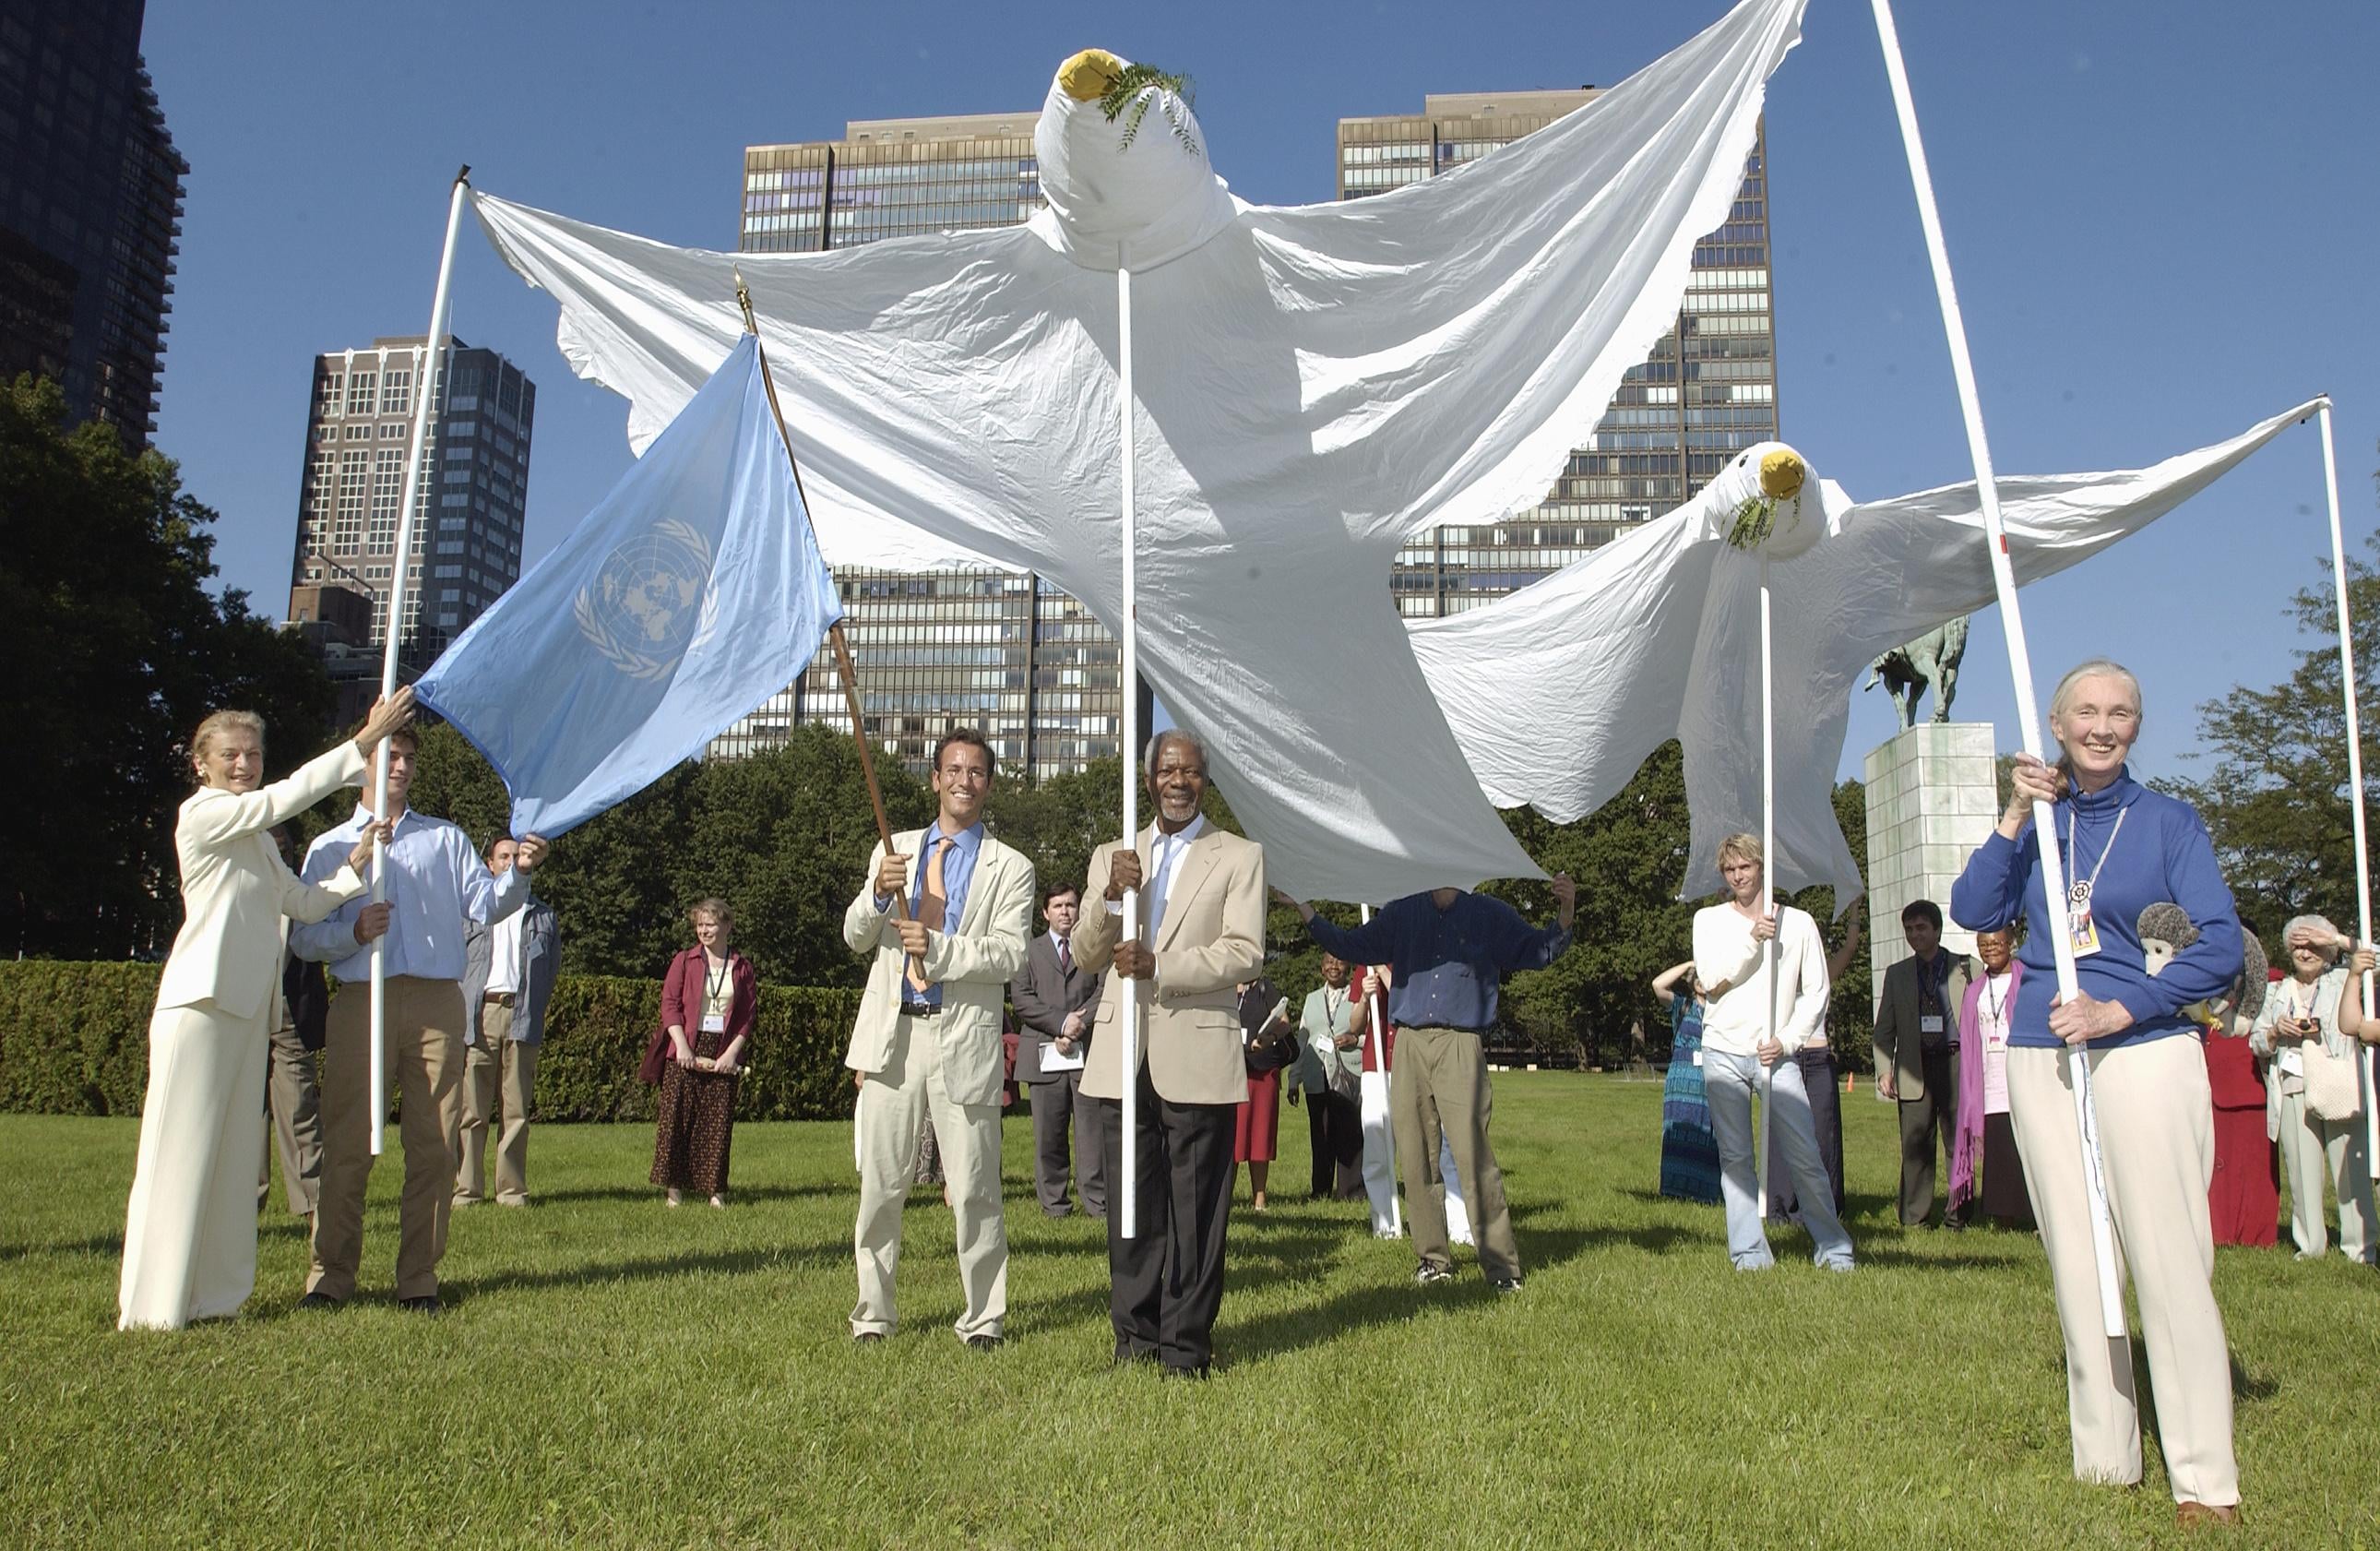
(2161, 853)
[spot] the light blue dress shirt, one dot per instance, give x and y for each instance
(435, 879)
(957, 858)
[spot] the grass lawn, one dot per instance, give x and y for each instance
(609, 1373)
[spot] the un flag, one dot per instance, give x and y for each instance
(691, 594)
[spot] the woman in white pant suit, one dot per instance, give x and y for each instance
(190, 1233)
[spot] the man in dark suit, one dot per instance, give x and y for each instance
(1055, 1000)
(1917, 1055)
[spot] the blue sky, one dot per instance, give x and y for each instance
(2160, 214)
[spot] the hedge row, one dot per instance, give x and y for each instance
(74, 1041)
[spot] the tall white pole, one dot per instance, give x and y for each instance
(2354, 774)
(2053, 870)
(1767, 865)
(1377, 1019)
(424, 392)
(1128, 1219)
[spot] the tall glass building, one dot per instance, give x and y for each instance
(1677, 418)
(1002, 651)
(474, 493)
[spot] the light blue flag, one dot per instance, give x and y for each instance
(690, 596)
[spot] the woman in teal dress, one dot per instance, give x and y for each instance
(1689, 1151)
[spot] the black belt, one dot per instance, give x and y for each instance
(498, 998)
(920, 1010)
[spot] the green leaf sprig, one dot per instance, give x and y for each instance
(1125, 91)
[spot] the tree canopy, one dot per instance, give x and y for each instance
(116, 651)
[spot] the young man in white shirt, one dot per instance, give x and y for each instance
(1743, 1049)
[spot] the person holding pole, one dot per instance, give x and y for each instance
(927, 1039)
(1376, 1047)
(2127, 847)
(189, 1232)
(1202, 897)
(1730, 943)
(1448, 951)
(434, 882)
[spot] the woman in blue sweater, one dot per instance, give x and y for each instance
(2124, 847)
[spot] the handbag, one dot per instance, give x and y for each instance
(2334, 1088)
(656, 1059)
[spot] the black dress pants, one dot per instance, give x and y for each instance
(1166, 1283)
(1923, 1120)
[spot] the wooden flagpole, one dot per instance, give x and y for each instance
(845, 668)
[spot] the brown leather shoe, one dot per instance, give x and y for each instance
(2189, 1516)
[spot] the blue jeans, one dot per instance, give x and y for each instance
(1728, 1085)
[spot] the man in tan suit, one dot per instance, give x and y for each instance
(1202, 897)
(927, 1040)
(1917, 1056)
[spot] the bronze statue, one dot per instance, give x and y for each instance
(1929, 662)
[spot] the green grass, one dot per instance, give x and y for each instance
(612, 1373)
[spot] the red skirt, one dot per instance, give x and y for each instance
(2244, 1202)
(1256, 1135)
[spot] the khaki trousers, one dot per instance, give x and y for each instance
(2157, 1140)
(2316, 1153)
(497, 1062)
(296, 1104)
(1438, 1086)
(892, 1105)
(190, 1229)
(425, 1055)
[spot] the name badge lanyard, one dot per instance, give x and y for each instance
(2082, 929)
(710, 990)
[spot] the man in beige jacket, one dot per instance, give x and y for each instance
(927, 1040)
(1202, 908)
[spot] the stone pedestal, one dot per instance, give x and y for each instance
(1932, 797)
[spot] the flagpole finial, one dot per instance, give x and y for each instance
(463, 174)
(744, 298)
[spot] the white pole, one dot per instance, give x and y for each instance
(1767, 866)
(2354, 774)
(1378, 1021)
(1128, 1218)
(424, 391)
(2053, 870)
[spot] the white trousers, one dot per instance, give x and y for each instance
(2156, 1147)
(2318, 1154)
(892, 1105)
(189, 1230)
(1379, 1152)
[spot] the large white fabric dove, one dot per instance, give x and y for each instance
(1656, 636)
(1314, 383)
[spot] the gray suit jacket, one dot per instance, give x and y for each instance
(1043, 994)
(541, 959)
(1899, 1040)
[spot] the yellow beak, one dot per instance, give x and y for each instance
(1087, 75)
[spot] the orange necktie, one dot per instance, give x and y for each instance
(930, 899)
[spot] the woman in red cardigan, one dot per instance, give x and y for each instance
(706, 1004)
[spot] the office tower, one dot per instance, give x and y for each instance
(467, 538)
(1676, 420)
(91, 209)
(1002, 651)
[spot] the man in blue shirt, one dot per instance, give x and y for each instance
(1446, 952)
(926, 1042)
(435, 882)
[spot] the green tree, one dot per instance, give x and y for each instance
(116, 651)
(2276, 797)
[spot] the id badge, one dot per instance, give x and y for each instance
(1929, 1023)
(715, 1023)
(2081, 931)
(1698, 1058)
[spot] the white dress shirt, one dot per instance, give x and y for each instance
(504, 955)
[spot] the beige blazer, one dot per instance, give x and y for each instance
(973, 965)
(1900, 1042)
(235, 889)
(1212, 938)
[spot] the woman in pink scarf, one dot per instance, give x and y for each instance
(1983, 1132)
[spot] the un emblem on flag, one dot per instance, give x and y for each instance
(649, 601)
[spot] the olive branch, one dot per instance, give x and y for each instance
(1125, 91)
